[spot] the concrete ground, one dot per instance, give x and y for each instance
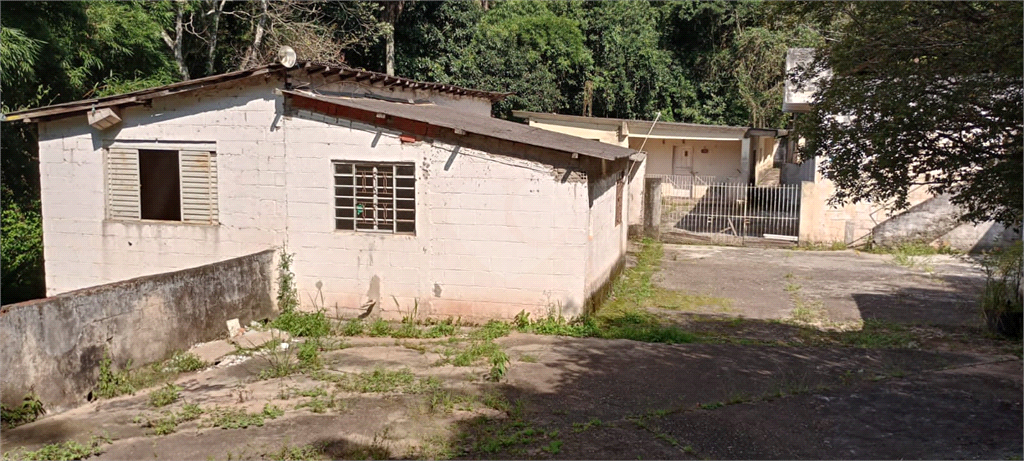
(760, 388)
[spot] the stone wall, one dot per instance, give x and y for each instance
(53, 346)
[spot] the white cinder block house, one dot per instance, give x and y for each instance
(384, 188)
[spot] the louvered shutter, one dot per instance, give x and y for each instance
(198, 186)
(123, 184)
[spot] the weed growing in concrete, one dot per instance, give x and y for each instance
(712, 405)
(380, 327)
(496, 401)
(553, 447)
(29, 410)
(309, 354)
(879, 334)
(499, 365)
(443, 328)
(527, 358)
(491, 330)
(314, 392)
(583, 427)
(65, 451)
(168, 421)
(688, 302)
(445, 400)
(165, 395)
(305, 324)
(280, 360)
(111, 383)
(353, 327)
(382, 380)
(297, 453)
(239, 419)
(287, 293)
(316, 404)
(183, 362)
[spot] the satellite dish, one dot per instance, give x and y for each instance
(286, 56)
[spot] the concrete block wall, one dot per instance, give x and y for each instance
(82, 248)
(607, 242)
(53, 346)
(492, 236)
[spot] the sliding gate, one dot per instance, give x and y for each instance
(729, 213)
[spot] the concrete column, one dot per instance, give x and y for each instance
(652, 207)
(745, 161)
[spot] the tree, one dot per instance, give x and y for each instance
(527, 49)
(925, 94)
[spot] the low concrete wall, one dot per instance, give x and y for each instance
(53, 346)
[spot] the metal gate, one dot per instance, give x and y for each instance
(729, 213)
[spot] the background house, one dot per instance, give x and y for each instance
(929, 218)
(713, 153)
(391, 193)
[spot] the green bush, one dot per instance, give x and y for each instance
(1003, 270)
(21, 249)
(353, 327)
(305, 324)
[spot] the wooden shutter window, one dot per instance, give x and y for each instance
(123, 184)
(198, 186)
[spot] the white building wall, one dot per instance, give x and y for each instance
(606, 133)
(495, 234)
(82, 249)
(607, 242)
(722, 160)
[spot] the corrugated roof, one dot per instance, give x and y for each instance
(328, 70)
(447, 117)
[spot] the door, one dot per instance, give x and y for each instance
(682, 161)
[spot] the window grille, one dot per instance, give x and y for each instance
(375, 197)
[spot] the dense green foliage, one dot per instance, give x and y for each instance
(922, 94)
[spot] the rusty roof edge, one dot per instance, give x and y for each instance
(72, 107)
(127, 98)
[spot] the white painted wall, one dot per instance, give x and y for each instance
(495, 234)
(604, 132)
(82, 249)
(722, 159)
(607, 241)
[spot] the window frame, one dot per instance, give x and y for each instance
(387, 214)
(197, 182)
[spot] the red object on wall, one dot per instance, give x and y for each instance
(406, 138)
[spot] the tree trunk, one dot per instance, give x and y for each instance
(176, 43)
(213, 32)
(252, 57)
(392, 10)
(390, 64)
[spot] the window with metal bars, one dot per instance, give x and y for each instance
(375, 197)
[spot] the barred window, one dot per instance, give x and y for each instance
(375, 197)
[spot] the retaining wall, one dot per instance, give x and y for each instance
(53, 346)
